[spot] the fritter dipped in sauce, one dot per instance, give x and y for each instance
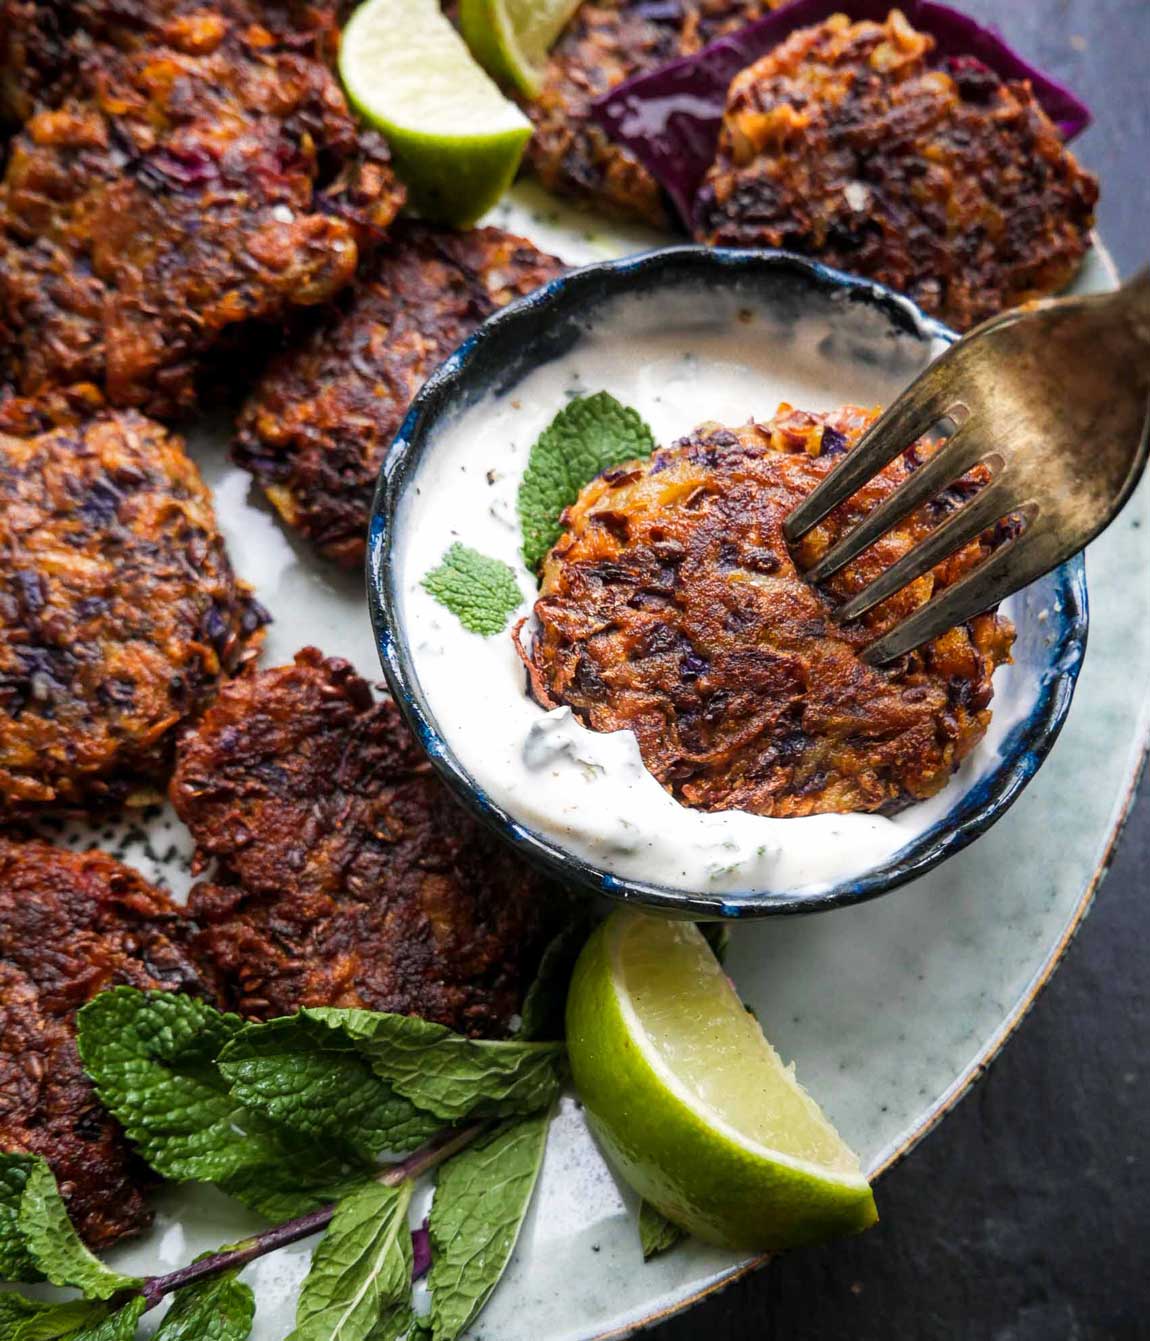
(673, 608)
(943, 181)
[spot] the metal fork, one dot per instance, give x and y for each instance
(1055, 400)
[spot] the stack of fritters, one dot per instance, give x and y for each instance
(188, 172)
(343, 872)
(119, 612)
(319, 423)
(71, 925)
(607, 42)
(945, 183)
(672, 607)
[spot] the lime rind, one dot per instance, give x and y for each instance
(511, 38)
(850, 1176)
(703, 1174)
(456, 141)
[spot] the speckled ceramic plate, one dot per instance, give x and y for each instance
(891, 1008)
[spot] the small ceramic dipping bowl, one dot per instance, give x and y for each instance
(696, 334)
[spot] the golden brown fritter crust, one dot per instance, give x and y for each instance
(119, 612)
(607, 42)
(344, 873)
(672, 607)
(71, 925)
(947, 184)
(203, 175)
(319, 423)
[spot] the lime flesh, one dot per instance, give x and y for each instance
(456, 140)
(691, 1102)
(511, 38)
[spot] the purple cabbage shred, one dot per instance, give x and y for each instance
(670, 118)
(420, 1252)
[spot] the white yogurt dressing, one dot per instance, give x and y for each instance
(589, 792)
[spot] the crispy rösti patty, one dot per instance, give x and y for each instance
(319, 423)
(672, 607)
(944, 182)
(71, 925)
(119, 612)
(605, 43)
(191, 173)
(342, 872)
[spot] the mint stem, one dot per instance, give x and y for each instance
(441, 1147)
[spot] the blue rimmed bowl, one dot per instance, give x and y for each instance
(895, 339)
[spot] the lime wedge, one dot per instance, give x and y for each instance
(511, 38)
(693, 1105)
(456, 140)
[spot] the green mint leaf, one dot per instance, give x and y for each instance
(16, 1262)
(397, 1322)
(222, 1309)
(545, 1003)
(31, 1320)
(586, 437)
(481, 1197)
(314, 1080)
(55, 1246)
(656, 1233)
(285, 1191)
(448, 1075)
(361, 1269)
(152, 1056)
(480, 591)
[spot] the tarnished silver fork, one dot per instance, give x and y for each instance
(1055, 401)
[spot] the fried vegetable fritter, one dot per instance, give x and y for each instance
(193, 174)
(943, 182)
(71, 925)
(119, 612)
(672, 607)
(343, 871)
(319, 423)
(607, 42)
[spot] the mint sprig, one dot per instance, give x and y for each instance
(266, 1112)
(481, 1197)
(448, 1075)
(586, 437)
(480, 591)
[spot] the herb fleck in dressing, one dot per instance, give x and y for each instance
(589, 792)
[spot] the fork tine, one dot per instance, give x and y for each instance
(952, 460)
(986, 507)
(920, 406)
(977, 591)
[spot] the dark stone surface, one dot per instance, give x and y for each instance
(1026, 1215)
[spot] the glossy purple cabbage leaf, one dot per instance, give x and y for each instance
(670, 118)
